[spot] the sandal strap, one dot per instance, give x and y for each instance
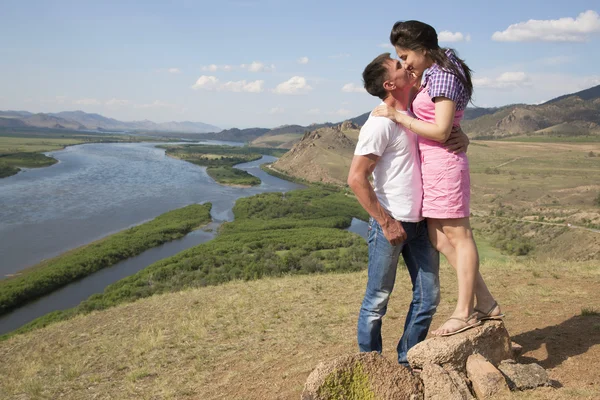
(490, 310)
(465, 320)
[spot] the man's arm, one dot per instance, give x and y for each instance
(458, 142)
(358, 180)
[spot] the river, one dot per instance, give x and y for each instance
(99, 189)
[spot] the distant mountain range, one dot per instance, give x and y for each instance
(79, 120)
(571, 114)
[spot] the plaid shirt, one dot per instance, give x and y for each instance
(441, 83)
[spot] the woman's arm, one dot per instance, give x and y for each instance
(438, 131)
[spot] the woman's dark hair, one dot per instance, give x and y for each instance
(417, 35)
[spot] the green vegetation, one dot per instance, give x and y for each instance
(352, 384)
(589, 312)
(220, 160)
(299, 232)
(232, 176)
(78, 263)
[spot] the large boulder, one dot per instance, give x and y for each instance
(524, 376)
(441, 384)
(491, 340)
(362, 376)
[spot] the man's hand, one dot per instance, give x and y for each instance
(393, 231)
(457, 142)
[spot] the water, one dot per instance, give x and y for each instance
(98, 189)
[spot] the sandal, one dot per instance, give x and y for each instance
(486, 316)
(466, 322)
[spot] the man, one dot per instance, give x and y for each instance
(390, 153)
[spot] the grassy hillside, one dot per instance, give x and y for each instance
(532, 191)
(260, 340)
(323, 155)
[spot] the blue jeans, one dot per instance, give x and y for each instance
(423, 264)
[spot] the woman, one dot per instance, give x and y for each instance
(439, 104)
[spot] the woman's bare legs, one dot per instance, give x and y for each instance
(454, 239)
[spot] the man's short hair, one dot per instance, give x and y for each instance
(375, 74)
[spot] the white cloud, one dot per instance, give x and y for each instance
(314, 111)
(554, 30)
(276, 110)
(207, 82)
(242, 86)
(447, 36)
(117, 103)
(257, 66)
(87, 102)
(506, 80)
(295, 85)
(385, 46)
(352, 88)
(227, 68)
(174, 70)
(303, 60)
(210, 68)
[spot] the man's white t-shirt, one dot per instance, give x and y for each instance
(397, 175)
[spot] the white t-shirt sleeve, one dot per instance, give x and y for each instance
(374, 136)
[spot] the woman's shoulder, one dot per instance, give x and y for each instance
(442, 83)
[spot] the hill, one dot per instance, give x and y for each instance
(569, 115)
(79, 120)
(261, 339)
(285, 136)
(322, 155)
(235, 134)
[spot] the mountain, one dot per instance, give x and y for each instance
(14, 114)
(286, 136)
(322, 155)
(50, 121)
(573, 114)
(236, 135)
(587, 94)
(79, 120)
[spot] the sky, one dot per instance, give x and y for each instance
(266, 63)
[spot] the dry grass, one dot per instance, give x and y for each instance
(30, 145)
(260, 340)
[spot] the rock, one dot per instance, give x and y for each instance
(491, 340)
(486, 380)
(516, 350)
(444, 385)
(346, 125)
(524, 376)
(362, 376)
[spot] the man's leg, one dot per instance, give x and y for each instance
(423, 264)
(383, 261)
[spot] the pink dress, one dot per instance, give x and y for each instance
(446, 181)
